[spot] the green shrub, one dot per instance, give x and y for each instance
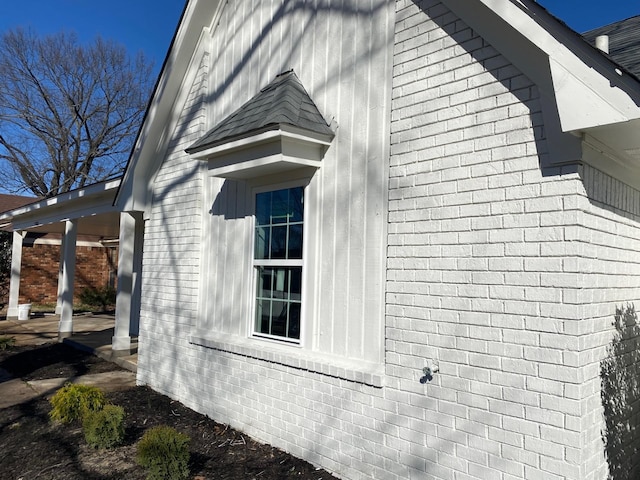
(72, 401)
(104, 428)
(6, 342)
(164, 452)
(101, 297)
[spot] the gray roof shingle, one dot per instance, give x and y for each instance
(624, 42)
(283, 102)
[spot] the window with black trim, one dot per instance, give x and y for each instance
(279, 217)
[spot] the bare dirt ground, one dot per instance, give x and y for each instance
(33, 447)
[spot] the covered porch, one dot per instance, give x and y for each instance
(86, 212)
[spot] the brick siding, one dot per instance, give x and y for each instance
(505, 274)
(489, 277)
(95, 266)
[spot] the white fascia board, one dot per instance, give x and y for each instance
(261, 167)
(190, 41)
(586, 99)
(241, 144)
(551, 55)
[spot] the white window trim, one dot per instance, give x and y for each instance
(299, 356)
(276, 151)
(304, 263)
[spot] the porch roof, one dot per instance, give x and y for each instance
(93, 207)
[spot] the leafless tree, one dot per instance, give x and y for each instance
(69, 112)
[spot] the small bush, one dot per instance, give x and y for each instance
(104, 428)
(101, 297)
(72, 401)
(164, 452)
(6, 342)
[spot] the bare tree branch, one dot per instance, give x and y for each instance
(69, 113)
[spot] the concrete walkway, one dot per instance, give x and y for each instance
(91, 334)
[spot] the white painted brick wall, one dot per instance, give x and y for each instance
(609, 252)
(551, 255)
(487, 264)
(171, 261)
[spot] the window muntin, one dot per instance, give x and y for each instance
(278, 263)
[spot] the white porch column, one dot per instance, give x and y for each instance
(60, 282)
(65, 328)
(14, 285)
(129, 269)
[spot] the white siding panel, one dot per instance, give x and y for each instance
(263, 39)
(197, 265)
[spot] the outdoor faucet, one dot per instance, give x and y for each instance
(428, 373)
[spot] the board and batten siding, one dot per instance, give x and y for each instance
(197, 272)
(488, 257)
(340, 53)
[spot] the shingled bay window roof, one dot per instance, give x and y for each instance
(284, 102)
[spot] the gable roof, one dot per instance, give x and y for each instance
(624, 42)
(283, 102)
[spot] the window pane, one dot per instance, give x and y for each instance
(295, 204)
(295, 291)
(263, 208)
(280, 206)
(279, 319)
(262, 243)
(294, 321)
(281, 283)
(295, 241)
(263, 316)
(279, 242)
(265, 276)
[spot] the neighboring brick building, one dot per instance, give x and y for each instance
(96, 267)
(96, 264)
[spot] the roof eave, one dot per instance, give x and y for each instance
(197, 18)
(259, 136)
(559, 61)
(83, 202)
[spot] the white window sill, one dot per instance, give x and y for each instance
(352, 371)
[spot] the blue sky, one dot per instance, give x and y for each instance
(584, 15)
(140, 25)
(148, 25)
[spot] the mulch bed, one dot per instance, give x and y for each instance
(33, 447)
